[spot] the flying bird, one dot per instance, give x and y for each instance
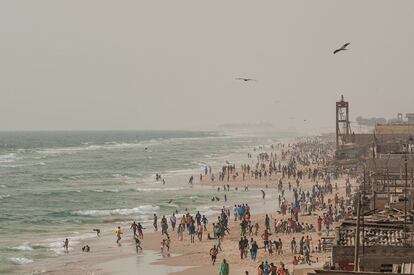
(245, 79)
(343, 48)
(170, 201)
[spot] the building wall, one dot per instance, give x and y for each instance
(373, 258)
(398, 129)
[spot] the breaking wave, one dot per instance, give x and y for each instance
(143, 209)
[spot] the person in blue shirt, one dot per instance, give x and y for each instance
(266, 268)
(192, 231)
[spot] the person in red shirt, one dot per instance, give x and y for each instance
(281, 269)
(265, 237)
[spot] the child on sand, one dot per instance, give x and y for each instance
(213, 254)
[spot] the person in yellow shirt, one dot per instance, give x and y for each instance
(118, 234)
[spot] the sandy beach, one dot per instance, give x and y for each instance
(106, 257)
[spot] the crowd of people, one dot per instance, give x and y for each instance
(308, 199)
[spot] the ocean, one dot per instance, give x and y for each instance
(62, 184)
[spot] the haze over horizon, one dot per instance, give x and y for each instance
(126, 65)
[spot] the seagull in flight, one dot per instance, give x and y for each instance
(245, 79)
(343, 48)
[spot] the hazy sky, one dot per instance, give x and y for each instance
(171, 64)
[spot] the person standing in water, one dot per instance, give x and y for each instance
(140, 233)
(155, 222)
(173, 221)
(66, 245)
(118, 234)
(134, 228)
(137, 243)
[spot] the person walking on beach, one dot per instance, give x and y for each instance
(137, 243)
(204, 221)
(241, 248)
(253, 250)
(118, 234)
(266, 268)
(180, 231)
(260, 269)
(167, 243)
(213, 254)
(267, 222)
(293, 246)
(218, 244)
(162, 245)
(200, 230)
(192, 231)
(66, 245)
(265, 238)
(164, 226)
(256, 229)
(319, 224)
(224, 268)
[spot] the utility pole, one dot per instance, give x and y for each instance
(411, 206)
(356, 253)
(405, 200)
(363, 212)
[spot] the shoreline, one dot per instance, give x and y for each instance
(107, 251)
(150, 244)
(174, 264)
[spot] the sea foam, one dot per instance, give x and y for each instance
(20, 260)
(8, 158)
(23, 247)
(143, 209)
(159, 189)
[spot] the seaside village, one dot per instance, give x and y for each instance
(351, 211)
(379, 234)
(376, 234)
